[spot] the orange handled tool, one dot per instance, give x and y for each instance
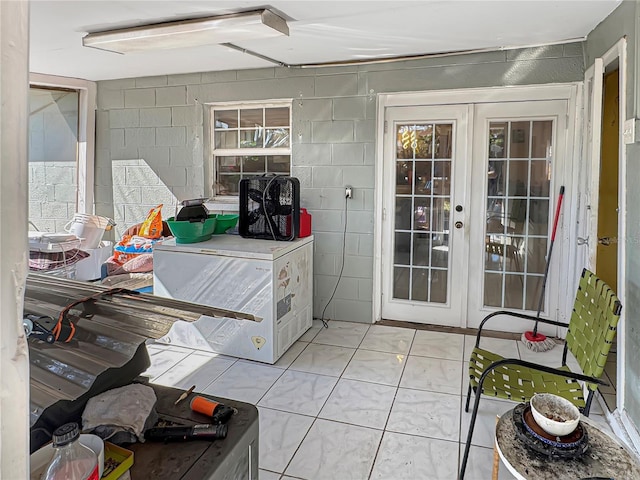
(217, 411)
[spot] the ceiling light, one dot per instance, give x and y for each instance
(190, 33)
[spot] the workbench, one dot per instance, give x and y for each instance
(232, 458)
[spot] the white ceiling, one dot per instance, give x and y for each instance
(320, 31)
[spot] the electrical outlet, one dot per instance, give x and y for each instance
(348, 192)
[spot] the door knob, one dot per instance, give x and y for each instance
(583, 241)
(458, 224)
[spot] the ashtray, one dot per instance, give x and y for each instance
(536, 439)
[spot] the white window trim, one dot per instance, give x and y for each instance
(86, 132)
(230, 202)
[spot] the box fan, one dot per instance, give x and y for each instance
(269, 207)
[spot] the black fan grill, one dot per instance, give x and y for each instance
(269, 207)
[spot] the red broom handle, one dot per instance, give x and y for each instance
(557, 216)
(546, 268)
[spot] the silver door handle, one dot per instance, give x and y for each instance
(583, 241)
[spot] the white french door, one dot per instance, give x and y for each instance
(469, 196)
(425, 168)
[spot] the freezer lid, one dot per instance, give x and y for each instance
(235, 246)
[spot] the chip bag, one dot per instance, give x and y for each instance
(152, 225)
(130, 247)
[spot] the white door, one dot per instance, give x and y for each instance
(519, 151)
(423, 257)
(468, 210)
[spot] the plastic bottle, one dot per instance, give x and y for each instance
(71, 460)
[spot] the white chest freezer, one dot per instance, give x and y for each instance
(271, 280)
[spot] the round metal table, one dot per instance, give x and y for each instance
(606, 457)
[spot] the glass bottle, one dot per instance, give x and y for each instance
(71, 460)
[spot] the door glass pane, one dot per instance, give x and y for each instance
(420, 285)
(404, 174)
(423, 177)
(517, 218)
(443, 141)
(403, 249)
(519, 139)
(423, 202)
(442, 178)
(403, 213)
(438, 286)
(401, 283)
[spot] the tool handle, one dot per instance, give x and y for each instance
(546, 267)
(195, 432)
(557, 215)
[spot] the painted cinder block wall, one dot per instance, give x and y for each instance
(52, 159)
(150, 143)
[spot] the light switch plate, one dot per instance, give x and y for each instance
(629, 131)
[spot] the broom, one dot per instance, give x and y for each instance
(533, 340)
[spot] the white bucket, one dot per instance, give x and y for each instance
(89, 228)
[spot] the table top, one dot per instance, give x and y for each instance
(606, 457)
(195, 459)
(234, 246)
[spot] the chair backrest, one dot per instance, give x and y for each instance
(592, 328)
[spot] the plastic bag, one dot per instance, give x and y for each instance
(130, 247)
(152, 225)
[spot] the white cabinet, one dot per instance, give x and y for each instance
(271, 280)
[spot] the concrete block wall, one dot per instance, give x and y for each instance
(158, 123)
(52, 158)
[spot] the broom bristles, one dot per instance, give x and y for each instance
(537, 342)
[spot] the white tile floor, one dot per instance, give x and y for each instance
(357, 402)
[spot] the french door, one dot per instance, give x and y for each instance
(467, 210)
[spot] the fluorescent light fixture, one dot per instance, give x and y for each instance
(190, 33)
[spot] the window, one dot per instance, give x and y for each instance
(248, 140)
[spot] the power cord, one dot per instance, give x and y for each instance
(344, 245)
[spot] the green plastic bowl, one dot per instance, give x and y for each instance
(225, 222)
(193, 232)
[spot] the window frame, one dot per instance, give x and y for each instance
(230, 202)
(85, 157)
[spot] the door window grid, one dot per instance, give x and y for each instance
(421, 189)
(248, 140)
(515, 250)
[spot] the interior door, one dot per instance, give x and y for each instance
(469, 196)
(518, 157)
(423, 247)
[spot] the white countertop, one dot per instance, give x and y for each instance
(234, 246)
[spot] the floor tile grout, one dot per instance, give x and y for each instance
(339, 378)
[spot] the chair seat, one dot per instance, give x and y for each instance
(518, 383)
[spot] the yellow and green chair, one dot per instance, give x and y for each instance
(591, 331)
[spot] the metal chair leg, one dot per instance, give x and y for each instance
(466, 406)
(472, 423)
(587, 406)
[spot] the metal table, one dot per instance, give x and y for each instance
(232, 458)
(606, 458)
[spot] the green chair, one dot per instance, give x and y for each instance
(592, 330)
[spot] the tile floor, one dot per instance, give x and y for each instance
(357, 401)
